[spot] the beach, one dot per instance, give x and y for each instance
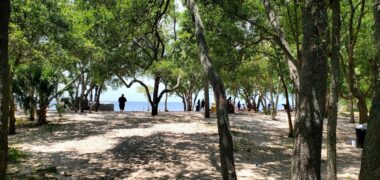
(172, 145)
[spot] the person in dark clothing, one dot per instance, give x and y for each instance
(122, 101)
(202, 104)
(198, 106)
(238, 105)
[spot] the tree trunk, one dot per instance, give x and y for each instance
(98, 91)
(189, 101)
(166, 99)
(32, 111)
(5, 86)
(41, 114)
(258, 103)
(363, 110)
(155, 101)
(334, 92)
(306, 160)
(184, 103)
(154, 109)
(225, 138)
(207, 97)
(351, 106)
(370, 165)
(195, 99)
(290, 132)
(12, 117)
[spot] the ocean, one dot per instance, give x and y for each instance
(144, 106)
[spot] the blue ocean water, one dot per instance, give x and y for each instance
(144, 106)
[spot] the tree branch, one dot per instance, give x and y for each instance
(170, 90)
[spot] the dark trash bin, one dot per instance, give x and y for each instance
(360, 135)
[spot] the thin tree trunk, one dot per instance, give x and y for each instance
(195, 99)
(370, 166)
(334, 92)
(351, 106)
(290, 124)
(207, 97)
(258, 103)
(12, 117)
(183, 102)
(225, 138)
(306, 160)
(352, 82)
(166, 99)
(98, 91)
(5, 86)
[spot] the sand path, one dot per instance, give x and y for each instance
(180, 145)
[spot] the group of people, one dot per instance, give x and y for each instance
(200, 105)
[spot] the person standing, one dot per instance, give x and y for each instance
(203, 105)
(198, 106)
(238, 105)
(122, 101)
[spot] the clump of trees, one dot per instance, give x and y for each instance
(319, 55)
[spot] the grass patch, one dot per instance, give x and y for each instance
(16, 155)
(49, 169)
(49, 128)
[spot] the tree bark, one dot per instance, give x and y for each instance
(189, 101)
(166, 99)
(12, 118)
(334, 92)
(306, 160)
(351, 106)
(5, 86)
(207, 97)
(225, 137)
(363, 110)
(370, 166)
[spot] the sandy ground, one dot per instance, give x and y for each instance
(172, 145)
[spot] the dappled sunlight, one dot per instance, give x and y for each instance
(103, 142)
(171, 145)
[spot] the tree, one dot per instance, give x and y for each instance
(306, 160)
(357, 85)
(334, 90)
(5, 86)
(156, 96)
(370, 166)
(225, 138)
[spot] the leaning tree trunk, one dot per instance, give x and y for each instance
(290, 124)
(207, 97)
(370, 166)
(306, 160)
(5, 86)
(334, 92)
(225, 138)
